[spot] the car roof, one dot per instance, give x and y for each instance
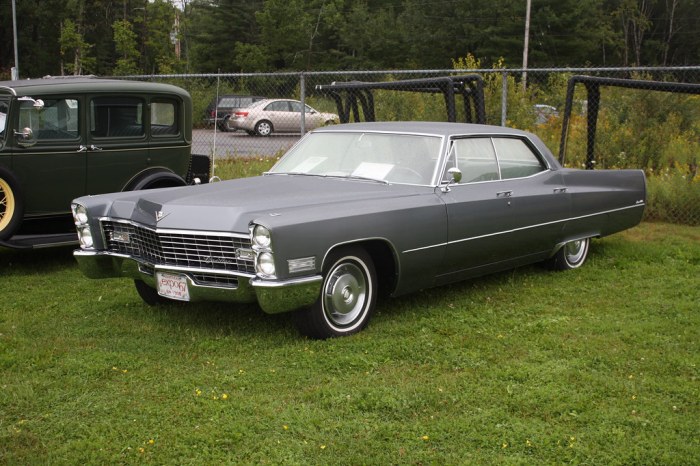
(85, 84)
(436, 128)
(443, 129)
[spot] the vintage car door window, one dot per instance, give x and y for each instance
(476, 159)
(58, 119)
(54, 168)
(516, 159)
(116, 117)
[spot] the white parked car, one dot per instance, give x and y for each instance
(279, 115)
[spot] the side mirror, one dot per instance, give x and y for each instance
(455, 178)
(25, 138)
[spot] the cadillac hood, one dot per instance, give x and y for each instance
(231, 205)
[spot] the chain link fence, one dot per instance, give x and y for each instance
(645, 126)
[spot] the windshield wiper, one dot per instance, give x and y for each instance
(366, 178)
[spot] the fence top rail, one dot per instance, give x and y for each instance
(434, 71)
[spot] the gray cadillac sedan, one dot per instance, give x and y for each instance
(355, 210)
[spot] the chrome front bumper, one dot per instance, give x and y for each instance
(273, 296)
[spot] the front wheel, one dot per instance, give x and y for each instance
(11, 206)
(570, 256)
(347, 299)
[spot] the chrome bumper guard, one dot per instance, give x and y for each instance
(273, 296)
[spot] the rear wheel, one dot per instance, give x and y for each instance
(263, 128)
(571, 256)
(347, 299)
(11, 205)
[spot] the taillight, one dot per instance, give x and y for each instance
(213, 114)
(241, 114)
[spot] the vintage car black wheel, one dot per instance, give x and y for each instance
(155, 180)
(11, 205)
(347, 299)
(149, 295)
(571, 256)
(263, 128)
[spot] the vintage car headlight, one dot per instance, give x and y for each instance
(261, 236)
(85, 237)
(80, 216)
(265, 265)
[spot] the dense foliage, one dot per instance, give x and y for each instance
(109, 37)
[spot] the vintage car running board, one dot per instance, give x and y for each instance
(40, 241)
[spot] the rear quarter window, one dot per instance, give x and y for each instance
(164, 118)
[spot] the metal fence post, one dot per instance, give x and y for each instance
(504, 97)
(302, 98)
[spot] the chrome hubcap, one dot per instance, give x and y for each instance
(575, 251)
(345, 294)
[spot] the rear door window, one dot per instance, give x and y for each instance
(116, 117)
(516, 159)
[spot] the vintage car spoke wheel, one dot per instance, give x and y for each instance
(347, 298)
(263, 128)
(11, 207)
(572, 255)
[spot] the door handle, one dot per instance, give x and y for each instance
(559, 190)
(504, 194)
(82, 148)
(95, 148)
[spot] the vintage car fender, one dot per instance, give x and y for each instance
(154, 178)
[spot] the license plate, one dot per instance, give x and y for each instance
(172, 286)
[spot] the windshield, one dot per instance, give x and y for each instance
(4, 106)
(393, 158)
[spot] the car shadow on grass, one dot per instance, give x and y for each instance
(33, 261)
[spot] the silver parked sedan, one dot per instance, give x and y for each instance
(278, 115)
(354, 210)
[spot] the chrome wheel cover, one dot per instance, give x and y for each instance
(575, 251)
(345, 295)
(264, 128)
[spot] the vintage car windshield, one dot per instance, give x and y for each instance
(391, 158)
(3, 116)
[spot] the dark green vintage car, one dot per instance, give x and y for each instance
(61, 138)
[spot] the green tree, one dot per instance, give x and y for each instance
(125, 41)
(75, 51)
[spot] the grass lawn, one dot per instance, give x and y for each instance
(597, 365)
